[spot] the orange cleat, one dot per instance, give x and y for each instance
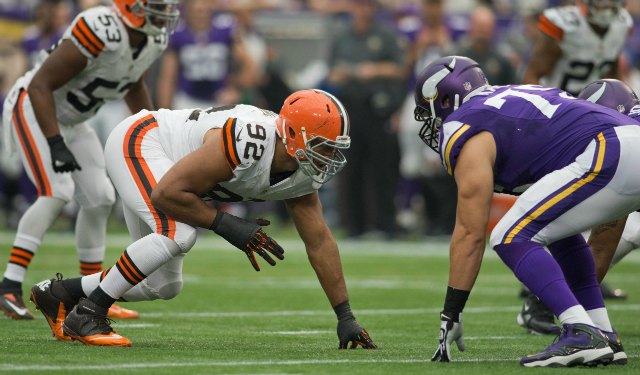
(88, 323)
(119, 312)
(54, 307)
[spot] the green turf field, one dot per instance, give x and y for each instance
(230, 319)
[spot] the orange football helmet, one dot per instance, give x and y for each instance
(314, 127)
(152, 17)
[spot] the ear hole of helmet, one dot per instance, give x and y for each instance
(292, 133)
(446, 102)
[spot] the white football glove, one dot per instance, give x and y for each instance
(451, 330)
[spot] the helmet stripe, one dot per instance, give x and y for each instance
(598, 94)
(344, 118)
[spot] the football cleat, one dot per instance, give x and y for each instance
(119, 312)
(88, 323)
(536, 317)
(577, 344)
(619, 356)
(54, 307)
(12, 306)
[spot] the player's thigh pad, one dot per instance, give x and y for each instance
(135, 162)
(93, 186)
(579, 196)
(32, 146)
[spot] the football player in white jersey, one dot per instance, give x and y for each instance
(165, 164)
(102, 56)
(580, 44)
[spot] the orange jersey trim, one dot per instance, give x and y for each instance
(549, 28)
(229, 144)
(87, 38)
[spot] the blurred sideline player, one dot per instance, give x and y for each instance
(570, 161)
(165, 163)
(101, 57)
(205, 60)
(613, 241)
(580, 43)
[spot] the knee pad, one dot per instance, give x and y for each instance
(170, 290)
(185, 237)
(165, 289)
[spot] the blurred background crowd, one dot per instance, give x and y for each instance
(258, 51)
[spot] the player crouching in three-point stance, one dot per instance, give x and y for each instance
(164, 163)
(101, 57)
(573, 162)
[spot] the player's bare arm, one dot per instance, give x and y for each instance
(138, 97)
(474, 178)
(169, 74)
(603, 241)
(63, 64)
(546, 54)
(178, 193)
(322, 249)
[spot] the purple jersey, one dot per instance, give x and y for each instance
(536, 130)
(204, 60)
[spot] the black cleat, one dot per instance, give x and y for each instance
(88, 323)
(54, 303)
(537, 318)
(12, 305)
(578, 344)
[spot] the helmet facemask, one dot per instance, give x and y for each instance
(321, 159)
(602, 12)
(160, 16)
(430, 130)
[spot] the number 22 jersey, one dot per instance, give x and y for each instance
(112, 66)
(536, 130)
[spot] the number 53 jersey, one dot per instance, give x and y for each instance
(536, 129)
(112, 66)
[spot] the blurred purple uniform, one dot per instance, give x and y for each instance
(204, 60)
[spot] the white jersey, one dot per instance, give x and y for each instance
(586, 56)
(111, 69)
(249, 140)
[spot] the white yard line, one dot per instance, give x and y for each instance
(433, 310)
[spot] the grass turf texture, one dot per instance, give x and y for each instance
(230, 319)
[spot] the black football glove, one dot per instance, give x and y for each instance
(247, 236)
(349, 331)
(450, 330)
(61, 158)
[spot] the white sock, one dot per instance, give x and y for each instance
(575, 314)
(91, 229)
(600, 318)
(33, 225)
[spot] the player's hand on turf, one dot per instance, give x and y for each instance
(349, 331)
(248, 236)
(451, 330)
(61, 158)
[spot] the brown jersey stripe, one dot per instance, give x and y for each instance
(549, 28)
(229, 143)
(141, 173)
(80, 38)
(90, 34)
(30, 148)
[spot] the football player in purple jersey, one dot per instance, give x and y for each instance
(566, 159)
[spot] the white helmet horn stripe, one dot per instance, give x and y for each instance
(598, 94)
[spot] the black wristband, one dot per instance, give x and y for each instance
(54, 140)
(455, 300)
(343, 310)
(216, 221)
